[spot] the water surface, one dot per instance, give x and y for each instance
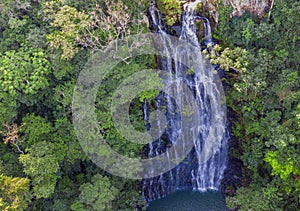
(190, 201)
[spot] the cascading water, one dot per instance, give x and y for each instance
(191, 173)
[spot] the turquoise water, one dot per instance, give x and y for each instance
(189, 201)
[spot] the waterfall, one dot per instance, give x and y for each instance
(192, 172)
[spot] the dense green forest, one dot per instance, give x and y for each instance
(262, 58)
(45, 44)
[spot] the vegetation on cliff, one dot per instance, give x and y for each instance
(261, 56)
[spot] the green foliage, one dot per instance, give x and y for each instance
(284, 169)
(65, 194)
(43, 47)
(71, 23)
(64, 135)
(93, 29)
(108, 88)
(256, 199)
(97, 195)
(21, 30)
(171, 9)
(8, 107)
(62, 96)
(128, 198)
(41, 163)
(9, 164)
(148, 95)
(14, 193)
(190, 71)
(235, 59)
(265, 96)
(24, 72)
(35, 129)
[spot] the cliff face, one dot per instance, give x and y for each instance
(210, 7)
(258, 7)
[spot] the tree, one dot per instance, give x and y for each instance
(41, 163)
(255, 198)
(95, 196)
(23, 73)
(93, 29)
(14, 193)
(8, 106)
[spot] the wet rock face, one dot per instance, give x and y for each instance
(211, 6)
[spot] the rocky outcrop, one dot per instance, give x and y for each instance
(210, 8)
(207, 8)
(258, 7)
